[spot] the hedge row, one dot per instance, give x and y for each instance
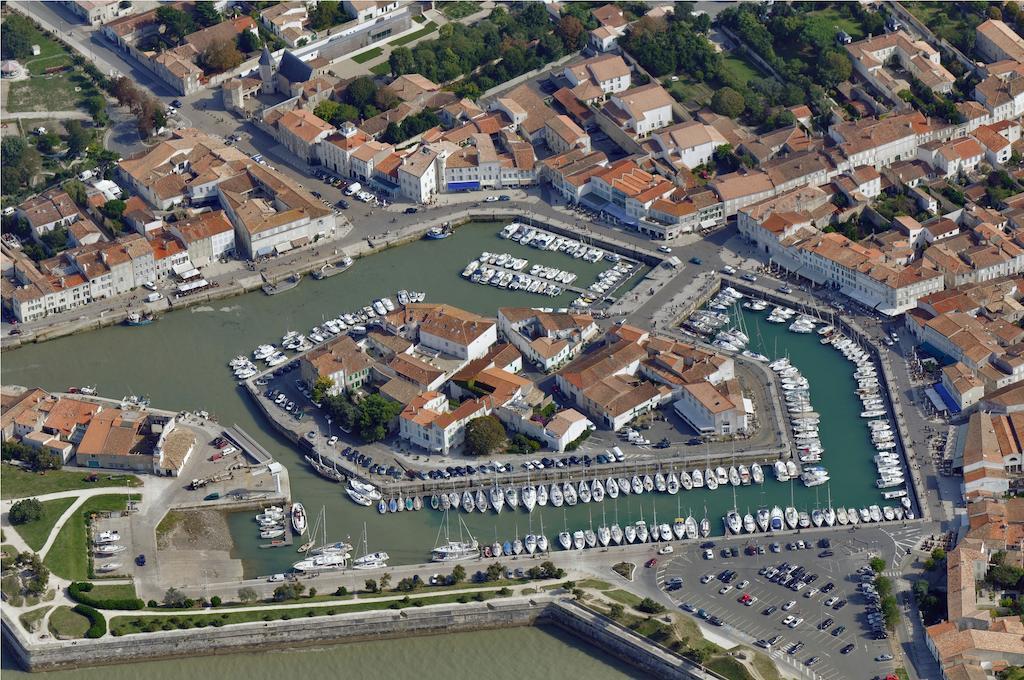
(97, 624)
(79, 592)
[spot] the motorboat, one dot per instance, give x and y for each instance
(705, 527)
(363, 500)
(792, 517)
(366, 489)
(690, 527)
(323, 562)
(749, 524)
(763, 519)
(841, 517)
(776, 520)
(453, 551)
(733, 522)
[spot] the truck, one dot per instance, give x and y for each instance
(154, 297)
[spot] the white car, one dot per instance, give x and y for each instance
(751, 602)
(795, 622)
(831, 601)
(707, 578)
(724, 589)
(333, 440)
(667, 550)
(742, 584)
(276, 577)
(789, 605)
(788, 620)
(664, 249)
(149, 285)
(727, 269)
(810, 592)
(709, 554)
(491, 199)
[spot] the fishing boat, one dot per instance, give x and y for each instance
(439, 233)
(281, 286)
(137, 319)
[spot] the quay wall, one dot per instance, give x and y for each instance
(249, 281)
(621, 642)
(854, 331)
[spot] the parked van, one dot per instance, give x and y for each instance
(353, 189)
(154, 297)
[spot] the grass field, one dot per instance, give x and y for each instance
(36, 533)
(366, 56)
(30, 618)
(419, 18)
(593, 583)
(65, 623)
(740, 68)
(623, 597)
(51, 53)
(43, 93)
(381, 69)
(728, 667)
(841, 21)
(120, 591)
(459, 9)
(18, 483)
(69, 554)
(122, 625)
(936, 16)
(415, 35)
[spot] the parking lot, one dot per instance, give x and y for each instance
(793, 626)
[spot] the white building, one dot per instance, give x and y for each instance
(642, 109)
(712, 410)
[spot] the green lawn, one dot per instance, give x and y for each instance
(51, 53)
(366, 56)
(65, 623)
(30, 618)
(43, 93)
(730, 668)
(124, 591)
(841, 21)
(381, 69)
(416, 35)
(593, 583)
(69, 554)
(122, 625)
(419, 18)
(623, 597)
(936, 16)
(459, 8)
(740, 68)
(18, 483)
(36, 533)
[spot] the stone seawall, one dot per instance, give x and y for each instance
(610, 637)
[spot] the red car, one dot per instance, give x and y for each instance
(650, 563)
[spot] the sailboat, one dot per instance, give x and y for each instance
(629, 533)
(691, 527)
(542, 495)
(679, 526)
(529, 496)
(564, 537)
(583, 490)
(452, 551)
(542, 539)
(327, 557)
(642, 534)
(368, 560)
(589, 536)
(612, 487)
(705, 524)
(672, 483)
(829, 512)
(733, 522)
(597, 491)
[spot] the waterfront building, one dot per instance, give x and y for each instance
(446, 329)
(428, 423)
(714, 410)
(339, 360)
(208, 237)
(417, 371)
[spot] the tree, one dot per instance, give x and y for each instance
(484, 435)
(458, 574)
(326, 110)
(174, 597)
(25, 511)
(325, 14)
(727, 102)
(834, 68)
(78, 136)
(20, 162)
(220, 55)
(649, 606)
(96, 105)
(1005, 575)
(699, 655)
(47, 142)
(247, 595)
(571, 31)
(321, 387)
(401, 61)
(938, 554)
(215, 601)
(76, 191)
(375, 416)
(371, 586)
(18, 35)
(288, 591)
(890, 611)
(495, 572)
(921, 588)
(177, 24)
(616, 610)
(385, 580)
(114, 209)
(206, 14)
(877, 565)
(361, 92)
(248, 42)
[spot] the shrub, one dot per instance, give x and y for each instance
(97, 624)
(25, 511)
(79, 592)
(215, 601)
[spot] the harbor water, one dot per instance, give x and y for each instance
(508, 654)
(180, 363)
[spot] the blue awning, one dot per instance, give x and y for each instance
(947, 398)
(619, 214)
(463, 186)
